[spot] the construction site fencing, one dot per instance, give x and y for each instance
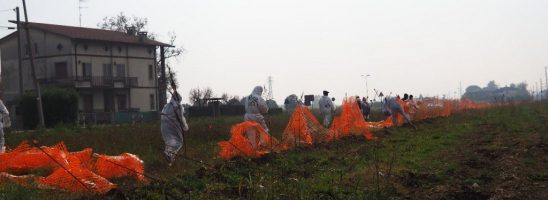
(81, 171)
(249, 139)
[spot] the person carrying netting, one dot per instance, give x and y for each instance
(173, 123)
(255, 106)
(4, 117)
(326, 108)
(391, 107)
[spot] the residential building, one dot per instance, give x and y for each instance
(113, 72)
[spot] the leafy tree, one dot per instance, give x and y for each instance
(492, 86)
(60, 107)
(473, 88)
(522, 86)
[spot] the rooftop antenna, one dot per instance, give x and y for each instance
(80, 10)
(270, 94)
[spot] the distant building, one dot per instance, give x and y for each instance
(113, 72)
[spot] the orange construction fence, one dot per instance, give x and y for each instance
(304, 129)
(72, 171)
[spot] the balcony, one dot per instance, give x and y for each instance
(91, 82)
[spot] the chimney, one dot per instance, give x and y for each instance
(130, 30)
(142, 36)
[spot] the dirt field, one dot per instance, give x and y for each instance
(499, 153)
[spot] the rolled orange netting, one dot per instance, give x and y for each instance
(123, 165)
(25, 159)
(77, 179)
(70, 171)
(247, 139)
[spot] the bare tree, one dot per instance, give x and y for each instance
(225, 98)
(197, 95)
(122, 23)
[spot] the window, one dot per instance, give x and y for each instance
(120, 70)
(61, 70)
(85, 47)
(152, 104)
(120, 49)
(107, 70)
(86, 70)
(150, 72)
(36, 48)
(106, 48)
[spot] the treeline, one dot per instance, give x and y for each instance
(493, 93)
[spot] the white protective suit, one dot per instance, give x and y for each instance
(392, 106)
(171, 127)
(255, 106)
(3, 113)
(327, 109)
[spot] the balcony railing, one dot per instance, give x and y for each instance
(91, 82)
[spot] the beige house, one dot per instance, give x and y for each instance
(113, 72)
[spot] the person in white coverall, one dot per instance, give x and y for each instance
(3, 113)
(391, 107)
(173, 123)
(326, 108)
(255, 106)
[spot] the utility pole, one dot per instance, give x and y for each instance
(366, 86)
(546, 77)
(536, 90)
(270, 95)
(541, 89)
(41, 123)
(20, 65)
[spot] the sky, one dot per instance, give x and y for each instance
(419, 47)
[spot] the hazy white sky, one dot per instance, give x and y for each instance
(419, 47)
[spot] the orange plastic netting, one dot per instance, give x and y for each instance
(120, 166)
(72, 171)
(248, 139)
(85, 181)
(304, 129)
(350, 122)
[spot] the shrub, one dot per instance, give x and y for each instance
(60, 107)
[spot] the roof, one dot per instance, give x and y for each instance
(93, 34)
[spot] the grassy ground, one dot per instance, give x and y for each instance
(496, 153)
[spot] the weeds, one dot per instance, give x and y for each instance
(435, 161)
